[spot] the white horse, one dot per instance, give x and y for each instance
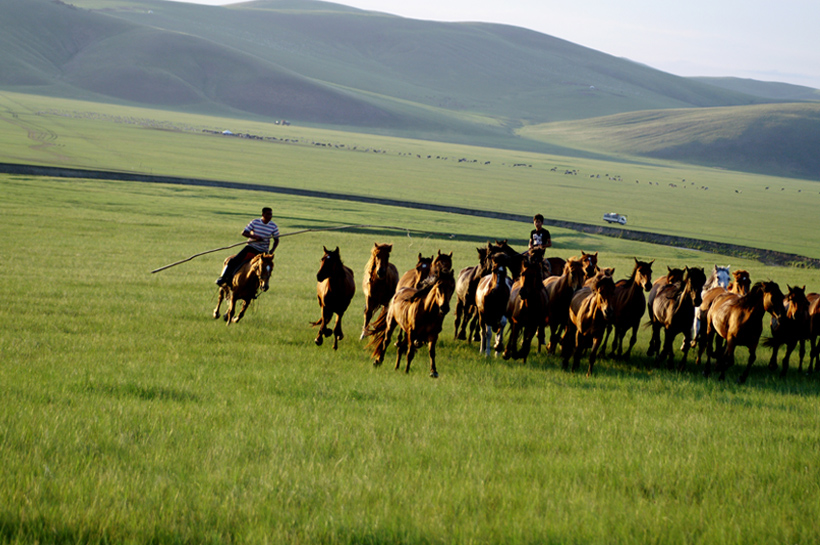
(720, 277)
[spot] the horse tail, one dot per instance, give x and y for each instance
(377, 331)
(768, 342)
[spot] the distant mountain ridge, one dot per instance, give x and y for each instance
(326, 64)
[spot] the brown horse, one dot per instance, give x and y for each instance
(334, 288)
(419, 313)
(792, 329)
(442, 263)
(466, 286)
(589, 314)
(740, 286)
(560, 290)
(628, 307)
(814, 331)
(738, 319)
(379, 283)
(491, 300)
(673, 310)
(413, 277)
(527, 309)
(672, 276)
(245, 284)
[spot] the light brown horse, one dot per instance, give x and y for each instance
(379, 283)
(740, 286)
(334, 288)
(738, 319)
(673, 310)
(672, 276)
(466, 286)
(527, 309)
(791, 330)
(560, 290)
(413, 277)
(251, 277)
(589, 314)
(491, 300)
(628, 307)
(419, 313)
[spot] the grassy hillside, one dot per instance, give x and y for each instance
(765, 89)
(771, 139)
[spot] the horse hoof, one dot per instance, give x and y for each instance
(434, 374)
(362, 336)
(318, 341)
(216, 315)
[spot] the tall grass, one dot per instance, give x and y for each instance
(129, 415)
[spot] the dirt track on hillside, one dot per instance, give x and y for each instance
(768, 257)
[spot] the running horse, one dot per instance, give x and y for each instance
(419, 313)
(334, 289)
(379, 284)
(673, 310)
(589, 314)
(251, 277)
(560, 290)
(718, 278)
(628, 307)
(413, 277)
(791, 330)
(527, 309)
(740, 286)
(672, 276)
(814, 331)
(491, 300)
(738, 319)
(466, 286)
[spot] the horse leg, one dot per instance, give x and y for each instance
(337, 330)
(727, 359)
(401, 349)
(432, 350)
(484, 330)
(654, 341)
(230, 312)
(568, 346)
(245, 303)
(324, 331)
(526, 342)
(368, 314)
(498, 347)
(801, 353)
(411, 353)
(512, 341)
(221, 297)
(632, 340)
(789, 349)
(579, 349)
(459, 318)
(752, 357)
(474, 334)
(773, 360)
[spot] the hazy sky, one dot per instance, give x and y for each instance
(766, 40)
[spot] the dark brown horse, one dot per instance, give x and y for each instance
(466, 286)
(251, 277)
(673, 310)
(560, 290)
(527, 309)
(738, 319)
(419, 313)
(491, 300)
(442, 263)
(413, 277)
(628, 307)
(814, 331)
(672, 276)
(379, 283)
(334, 288)
(791, 330)
(589, 314)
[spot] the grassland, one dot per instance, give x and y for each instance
(131, 416)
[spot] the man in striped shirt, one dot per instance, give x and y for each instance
(259, 232)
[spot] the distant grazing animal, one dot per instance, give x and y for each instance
(419, 313)
(739, 320)
(491, 300)
(589, 314)
(673, 310)
(526, 310)
(628, 307)
(379, 283)
(334, 288)
(791, 330)
(244, 286)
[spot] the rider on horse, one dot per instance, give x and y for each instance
(259, 233)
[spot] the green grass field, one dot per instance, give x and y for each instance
(131, 416)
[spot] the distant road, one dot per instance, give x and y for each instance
(768, 257)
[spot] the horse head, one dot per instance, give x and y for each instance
(673, 275)
(331, 262)
(442, 292)
(796, 303)
(262, 266)
(604, 287)
(442, 262)
(574, 269)
(379, 260)
(642, 274)
(590, 262)
(719, 277)
(742, 282)
(693, 281)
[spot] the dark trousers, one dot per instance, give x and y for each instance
(246, 254)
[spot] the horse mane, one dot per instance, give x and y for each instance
(371, 262)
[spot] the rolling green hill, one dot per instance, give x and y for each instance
(777, 139)
(765, 89)
(324, 64)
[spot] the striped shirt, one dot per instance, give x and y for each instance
(265, 230)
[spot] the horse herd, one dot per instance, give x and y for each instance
(572, 305)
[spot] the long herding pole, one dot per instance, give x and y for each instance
(280, 236)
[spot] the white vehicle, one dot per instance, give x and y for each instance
(614, 217)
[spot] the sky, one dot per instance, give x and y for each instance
(766, 40)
